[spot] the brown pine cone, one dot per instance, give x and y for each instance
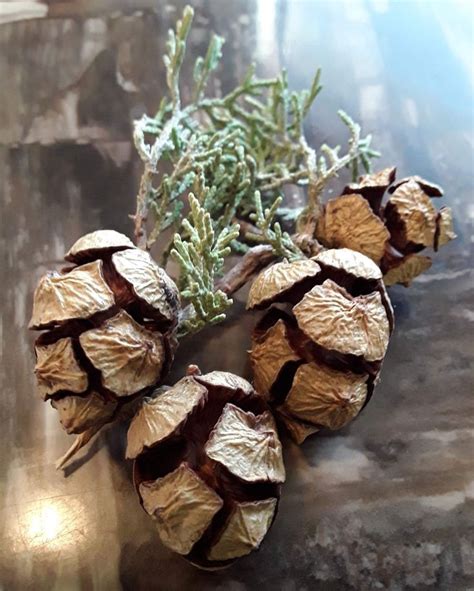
(392, 235)
(110, 325)
(208, 466)
(317, 359)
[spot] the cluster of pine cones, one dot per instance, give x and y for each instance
(208, 463)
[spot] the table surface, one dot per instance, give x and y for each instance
(386, 503)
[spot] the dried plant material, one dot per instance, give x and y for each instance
(162, 415)
(410, 217)
(307, 244)
(97, 244)
(377, 180)
(278, 280)
(264, 112)
(78, 413)
(225, 379)
(79, 442)
(349, 222)
(149, 282)
(298, 430)
(381, 179)
(431, 189)
(111, 336)
(351, 262)
(317, 362)
(350, 325)
(78, 294)
(406, 269)
(326, 397)
(445, 231)
(247, 445)
(270, 356)
(245, 530)
(182, 505)
(373, 186)
(202, 448)
(57, 369)
(414, 224)
(128, 356)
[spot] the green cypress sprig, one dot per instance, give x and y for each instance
(263, 118)
(236, 152)
(271, 232)
(201, 258)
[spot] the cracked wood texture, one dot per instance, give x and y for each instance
(387, 502)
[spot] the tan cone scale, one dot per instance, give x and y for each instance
(334, 397)
(389, 234)
(57, 369)
(332, 318)
(350, 222)
(317, 362)
(183, 506)
(208, 466)
(412, 216)
(77, 413)
(444, 231)
(405, 269)
(277, 279)
(57, 300)
(110, 329)
(373, 186)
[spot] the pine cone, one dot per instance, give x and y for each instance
(110, 323)
(391, 235)
(208, 466)
(317, 361)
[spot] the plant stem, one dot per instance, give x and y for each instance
(255, 259)
(141, 212)
(291, 178)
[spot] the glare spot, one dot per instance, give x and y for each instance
(53, 524)
(44, 526)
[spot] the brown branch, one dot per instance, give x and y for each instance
(150, 156)
(253, 261)
(308, 219)
(141, 213)
(245, 228)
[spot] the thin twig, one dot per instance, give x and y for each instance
(141, 213)
(291, 178)
(253, 261)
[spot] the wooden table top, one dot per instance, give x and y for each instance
(386, 503)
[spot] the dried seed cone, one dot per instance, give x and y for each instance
(208, 466)
(393, 234)
(317, 359)
(109, 325)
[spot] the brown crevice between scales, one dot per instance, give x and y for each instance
(208, 466)
(317, 356)
(110, 325)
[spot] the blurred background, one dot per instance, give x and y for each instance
(386, 503)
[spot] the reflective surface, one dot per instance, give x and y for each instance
(386, 503)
